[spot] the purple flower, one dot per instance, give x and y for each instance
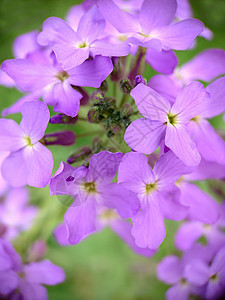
(108, 217)
(3, 184)
(175, 271)
(15, 213)
(55, 84)
(10, 263)
(157, 34)
(209, 144)
(91, 187)
(73, 48)
(29, 162)
(26, 281)
(165, 122)
(191, 231)
(205, 66)
(202, 207)
(157, 193)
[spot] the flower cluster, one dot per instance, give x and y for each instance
(154, 140)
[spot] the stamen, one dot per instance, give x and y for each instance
(150, 187)
(62, 76)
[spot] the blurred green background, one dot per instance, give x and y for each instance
(101, 267)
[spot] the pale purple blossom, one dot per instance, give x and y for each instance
(54, 84)
(157, 193)
(29, 162)
(90, 188)
(163, 121)
(26, 281)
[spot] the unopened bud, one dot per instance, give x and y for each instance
(37, 251)
(63, 119)
(93, 115)
(116, 73)
(97, 95)
(64, 138)
(104, 86)
(79, 155)
(126, 86)
(85, 99)
(139, 79)
(127, 110)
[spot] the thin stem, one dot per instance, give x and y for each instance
(115, 89)
(124, 99)
(88, 133)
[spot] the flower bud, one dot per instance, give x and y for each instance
(139, 79)
(63, 119)
(104, 86)
(85, 99)
(127, 110)
(79, 155)
(64, 138)
(126, 86)
(37, 251)
(93, 115)
(97, 95)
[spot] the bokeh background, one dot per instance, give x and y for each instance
(102, 266)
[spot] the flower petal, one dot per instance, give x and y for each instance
(103, 47)
(201, 206)
(144, 135)
(123, 230)
(91, 25)
(9, 281)
(44, 272)
(190, 102)
(39, 164)
(170, 204)
(68, 99)
(216, 105)
(80, 221)
(11, 136)
(150, 104)
(148, 225)
(180, 35)
(188, 234)
(121, 20)
(168, 169)
(103, 166)
(116, 196)
(205, 66)
(14, 169)
(197, 272)
(180, 142)
(28, 76)
(165, 86)
(162, 61)
(170, 269)
(35, 119)
(209, 144)
(135, 172)
(91, 73)
(156, 13)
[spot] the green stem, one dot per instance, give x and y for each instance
(124, 99)
(88, 133)
(115, 89)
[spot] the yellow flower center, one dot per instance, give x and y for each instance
(150, 187)
(172, 119)
(82, 45)
(62, 76)
(28, 141)
(90, 187)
